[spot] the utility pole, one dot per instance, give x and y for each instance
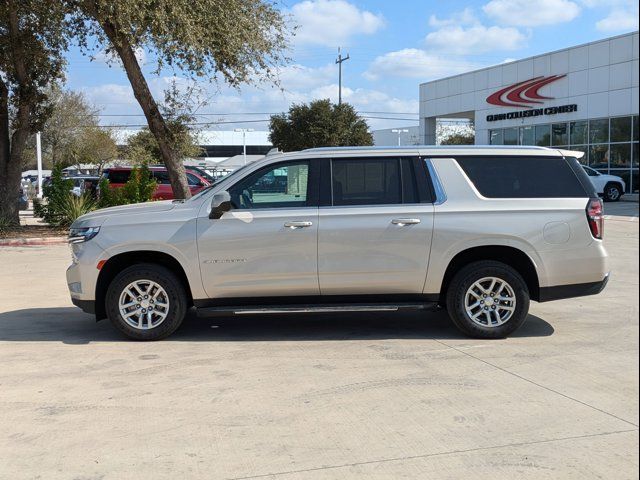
(339, 61)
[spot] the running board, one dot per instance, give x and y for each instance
(324, 308)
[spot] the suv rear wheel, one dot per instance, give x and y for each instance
(488, 299)
(612, 192)
(146, 302)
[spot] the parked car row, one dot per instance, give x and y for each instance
(118, 176)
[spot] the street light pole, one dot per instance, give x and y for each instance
(339, 61)
(244, 141)
(39, 161)
(399, 131)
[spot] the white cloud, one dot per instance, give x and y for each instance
(415, 63)
(296, 77)
(475, 39)
(332, 23)
(465, 17)
(527, 13)
(622, 16)
(311, 84)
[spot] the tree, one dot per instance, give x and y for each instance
(455, 134)
(232, 39)
(32, 43)
(319, 124)
(70, 115)
(95, 146)
(459, 139)
(178, 109)
(72, 134)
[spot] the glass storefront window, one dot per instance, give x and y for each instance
(559, 134)
(633, 188)
(599, 156)
(510, 136)
(599, 130)
(526, 136)
(578, 131)
(635, 154)
(621, 129)
(636, 128)
(620, 155)
(495, 137)
(543, 135)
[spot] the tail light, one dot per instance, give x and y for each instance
(595, 217)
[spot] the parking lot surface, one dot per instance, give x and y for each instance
(384, 396)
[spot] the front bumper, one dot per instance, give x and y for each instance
(560, 292)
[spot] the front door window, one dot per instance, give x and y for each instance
(277, 186)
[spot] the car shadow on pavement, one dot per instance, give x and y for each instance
(71, 326)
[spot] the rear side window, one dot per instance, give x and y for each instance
(118, 176)
(523, 177)
(162, 177)
(366, 181)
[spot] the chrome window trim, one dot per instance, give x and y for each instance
(441, 195)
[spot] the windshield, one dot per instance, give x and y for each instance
(206, 189)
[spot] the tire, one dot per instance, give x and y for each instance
(612, 192)
(503, 321)
(167, 311)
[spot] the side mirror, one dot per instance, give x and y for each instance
(220, 203)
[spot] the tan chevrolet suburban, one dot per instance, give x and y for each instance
(472, 229)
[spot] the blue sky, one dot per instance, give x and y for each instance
(394, 46)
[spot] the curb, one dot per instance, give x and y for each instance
(621, 218)
(25, 242)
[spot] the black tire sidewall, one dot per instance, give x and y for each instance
(606, 190)
(469, 275)
(164, 277)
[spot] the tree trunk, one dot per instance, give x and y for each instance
(8, 194)
(12, 146)
(172, 159)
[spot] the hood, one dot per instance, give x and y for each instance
(97, 217)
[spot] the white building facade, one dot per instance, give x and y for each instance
(582, 98)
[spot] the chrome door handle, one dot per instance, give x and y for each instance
(405, 221)
(294, 225)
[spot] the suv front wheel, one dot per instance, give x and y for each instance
(146, 302)
(488, 299)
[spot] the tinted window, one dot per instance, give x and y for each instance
(367, 181)
(162, 176)
(118, 176)
(192, 180)
(522, 177)
(277, 186)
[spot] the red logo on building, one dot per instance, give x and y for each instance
(523, 94)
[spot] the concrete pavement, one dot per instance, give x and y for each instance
(317, 397)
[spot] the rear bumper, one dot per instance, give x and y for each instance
(559, 292)
(87, 306)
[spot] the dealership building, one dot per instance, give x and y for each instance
(581, 98)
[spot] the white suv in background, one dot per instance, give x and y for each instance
(610, 187)
(480, 231)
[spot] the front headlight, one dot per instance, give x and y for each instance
(79, 235)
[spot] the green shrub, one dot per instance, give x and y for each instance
(61, 207)
(6, 224)
(139, 188)
(73, 207)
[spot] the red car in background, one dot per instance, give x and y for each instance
(118, 176)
